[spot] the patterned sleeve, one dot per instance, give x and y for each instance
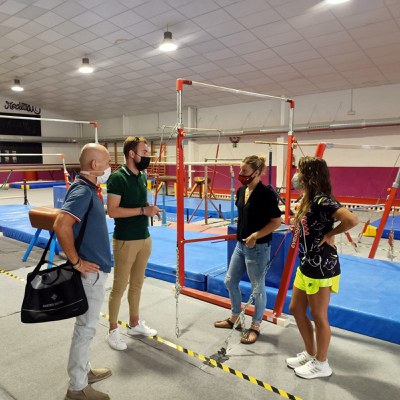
(327, 205)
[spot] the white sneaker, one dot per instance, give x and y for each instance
(141, 329)
(314, 369)
(115, 341)
(299, 360)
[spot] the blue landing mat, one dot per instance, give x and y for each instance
(388, 226)
(202, 259)
(15, 224)
(37, 184)
(367, 303)
(191, 203)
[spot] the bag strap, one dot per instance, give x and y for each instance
(78, 240)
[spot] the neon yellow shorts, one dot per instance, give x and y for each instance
(311, 285)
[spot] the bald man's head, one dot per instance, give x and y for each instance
(92, 152)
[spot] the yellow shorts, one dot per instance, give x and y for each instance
(311, 285)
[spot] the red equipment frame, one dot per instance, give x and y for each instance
(274, 315)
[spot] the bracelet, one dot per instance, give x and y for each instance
(141, 210)
(77, 263)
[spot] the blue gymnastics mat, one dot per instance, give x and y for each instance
(199, 264)
(388, 226)
(15, 224)
(190, 204)
(367, 302)
(37, 184)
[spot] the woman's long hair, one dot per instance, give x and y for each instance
(314, 179)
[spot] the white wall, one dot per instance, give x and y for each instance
(368, 103)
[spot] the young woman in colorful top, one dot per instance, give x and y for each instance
(319, 271)
(258, 217)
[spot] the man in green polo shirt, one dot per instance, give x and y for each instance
(127, 204)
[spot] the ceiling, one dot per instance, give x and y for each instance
(277, 47)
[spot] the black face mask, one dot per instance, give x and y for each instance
(143, 163)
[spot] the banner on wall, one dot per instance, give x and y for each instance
(20, 127)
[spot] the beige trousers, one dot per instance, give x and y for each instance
(130, 261)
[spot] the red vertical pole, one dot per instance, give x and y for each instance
(287, 273)
(319, 151)
(294, 244)
(180, 185)
(289, 161)
(180, 228)
(386, 212)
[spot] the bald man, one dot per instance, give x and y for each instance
(92, 258)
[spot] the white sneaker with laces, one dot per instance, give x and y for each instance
(299, 360)
(141, 329)
(314, 369)
(115, 341)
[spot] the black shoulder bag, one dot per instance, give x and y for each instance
(56, 293)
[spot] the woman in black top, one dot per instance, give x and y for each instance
(319, 271)
(259, 216)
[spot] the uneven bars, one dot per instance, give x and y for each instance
(337, 145)
(198, 163)
(195, 129)
(42, 154)
(359, 146)
(237, 91)
(71, 121)
(27, 154)
(285, 144)
(48, 119)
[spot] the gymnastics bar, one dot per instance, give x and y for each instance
(42, 154)
(93, 123)
(269, 315)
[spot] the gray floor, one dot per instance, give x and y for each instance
(33, 364)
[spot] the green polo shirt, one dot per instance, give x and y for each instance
(133, 191)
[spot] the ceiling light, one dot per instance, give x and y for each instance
(16, 87)
(168, 44)
(336, 1)
(85, 68)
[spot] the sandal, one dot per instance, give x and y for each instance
(227, 324)
(246, 338)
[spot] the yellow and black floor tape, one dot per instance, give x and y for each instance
(217, 364)
(12, 275)
(201, 357)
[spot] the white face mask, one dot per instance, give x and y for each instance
(296, 181)
(100, 179)
(104, 178)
